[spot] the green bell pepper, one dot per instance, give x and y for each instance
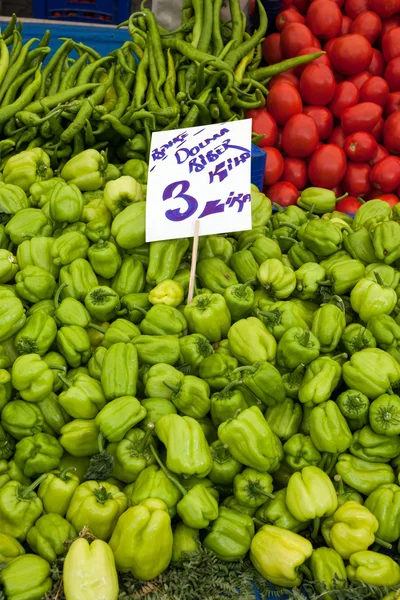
(251, 342)
(104, 258)
(218, 370)
(251, 487)
(230, 536)
(215, 275)
(80, 437)
(187, 449)
(27, 576)
(384, 503)
(102, 303)
(74, 344)
(374, 447)
(354, 406)
(19, 508)
(298, 255)
(328, 428)
(130, 278)
(28, 223)
(284, 419)
(264, 248)
(388, 274)
(27, 167)
(239, 300)
(57, 490)
(362, 475)
(371, 371)
(120, 330)
(22, 419)
(373, 568)
(321, 378)
(370, 299)
(152, 349)
(164, 259)
(97, 506)
(132, 454)
(224, 467)
(32, 377)
(278, 280)
(215, 246)
(301, 452)
(356, 337)
(121, 193)
(118, 416)
(281, 316)
(297, 346)
(152, 482)
(385, 239)
(327, 566)
(119, 372)
(384, 414)
(38, 454)
(86, 170)
(321, 237)
(48, 536)
(194, 349)
(163, 320)
(68, 247)
(208, 315)
(318, 200)
(167, 292)
(34, 284)
(226, 403)
(154, 380)
(372, 213)
(264, 381)
(142, 540)
(98, 220)
(244, 265)
(275, 512)
(185, 543)
(79, 278)
(66, 204)
(37, 335)
(191, 396)
(10, 548)
(8, 266)
(328, 325)
(385, 331)
(128, 227)
(83, 398)
(310, 495)
(251, 441)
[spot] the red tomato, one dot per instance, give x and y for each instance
(391, 44)
(351, 54)
(284, 101)
(385, 8)
(301, 5)
(359, 79)
(283, 193)
(295, 172)
(391, 199)
(294, 37)
(393, 103)
(317, 83)
(327, 166)
(375, 90)
(322, 60)
(348, 205)
(337, 137)
(338, 191)
(352, 8)
(316, 43)
(392, 74)
(287, 77)
(362, 117)
(346, 95)
(290, 15)
(323, 118)
(385, 175)
(300, 136)
(324, 18)
(367, 24)
(271, 49)
(263, 124)
(346, 25)
(360, 146)
(356, 180)
(381, 152)
(329, 44)
(389, 24)
(378, 130)
(391, 133)
(273, 166)
(377, 64)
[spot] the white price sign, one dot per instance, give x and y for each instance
(199, 173)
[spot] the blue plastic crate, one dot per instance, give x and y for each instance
(109, 12)
(258, 161)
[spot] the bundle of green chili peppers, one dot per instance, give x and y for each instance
(206, 71)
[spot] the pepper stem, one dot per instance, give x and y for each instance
(65, 381)
(145, 440)
(173, 388)
(242, 288)
(97, 327)
(248, 368)
(230, 386)
(278, 207)
(317, 522)
(167, 473)
(379, 279)
(297, 371)
(382, 543)
(289, 239)
(24, 494)
(258, 522)
(340, 485)
(57, 295)
(64, 473)
(340, 356)
(306, 572)
(100, 441)
(139, 308)
(341, 197)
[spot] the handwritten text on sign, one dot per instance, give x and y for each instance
(199, 173)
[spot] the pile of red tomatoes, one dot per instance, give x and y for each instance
(334, 123)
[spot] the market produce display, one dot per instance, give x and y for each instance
(334, 123)
(258, 420)
(207, 71)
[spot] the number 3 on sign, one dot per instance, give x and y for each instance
(177, 191)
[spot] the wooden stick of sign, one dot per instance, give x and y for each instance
(194, 261)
